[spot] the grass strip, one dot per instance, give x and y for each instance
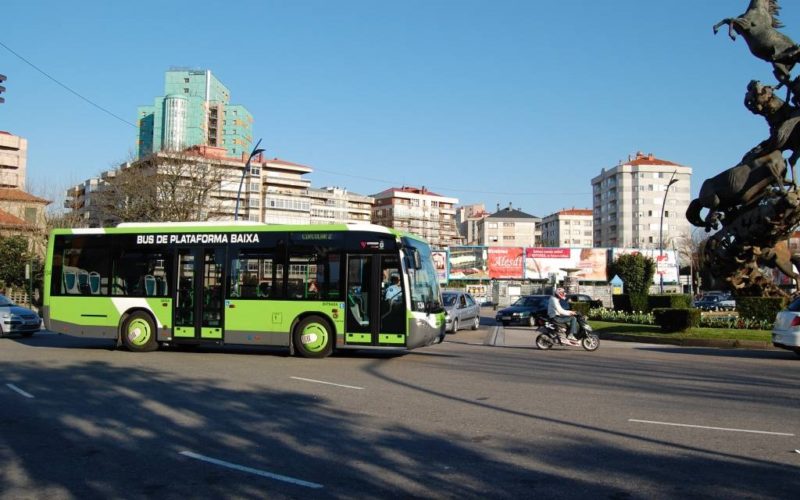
(654, 331)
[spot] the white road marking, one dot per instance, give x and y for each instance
(19, 391)
(327, 383)
(711, 428)
(250, 470)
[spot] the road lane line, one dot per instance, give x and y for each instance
(711, 428)
(327, 383)
(19, 391)
(251, 470)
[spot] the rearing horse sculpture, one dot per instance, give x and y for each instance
(758, 26)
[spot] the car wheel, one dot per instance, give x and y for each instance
(139, 333)
(312, 338)
(455, 325)
(477, 323)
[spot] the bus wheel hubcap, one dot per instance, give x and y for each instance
(139, 332)
(314, 337)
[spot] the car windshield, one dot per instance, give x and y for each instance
(4, 301)
(449, 299)
(528, 301)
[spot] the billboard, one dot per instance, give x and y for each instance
(440, 264)
(468, 263)
(506, 262)
(589, 264)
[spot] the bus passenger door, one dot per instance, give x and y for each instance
(375, 305)
(199, 297)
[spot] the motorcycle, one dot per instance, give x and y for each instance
(552, 333)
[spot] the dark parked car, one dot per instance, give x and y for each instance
(715, 303)
(582, 297)
(524, 310)
(17, 319)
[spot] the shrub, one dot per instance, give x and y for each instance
(581, 307)
(669, 301)
(759, 308)
(635, 270)
(676, 319)
(622, 302)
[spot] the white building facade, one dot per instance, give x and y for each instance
(568, 228)
(628, 199)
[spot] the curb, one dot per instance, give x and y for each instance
(720, 343)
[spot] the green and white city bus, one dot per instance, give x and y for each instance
(311, 288)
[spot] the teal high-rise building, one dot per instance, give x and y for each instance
(194, 110)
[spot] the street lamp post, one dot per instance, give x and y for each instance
(672, 180)
(246, 170)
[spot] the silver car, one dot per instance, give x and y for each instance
(460, 310)
(17, 319)
(786, 331)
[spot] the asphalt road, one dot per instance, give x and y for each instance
(462, 419)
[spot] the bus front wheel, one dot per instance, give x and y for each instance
(312, 338)
(139, 333)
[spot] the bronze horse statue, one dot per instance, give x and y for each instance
(783, 121)
(741, 185)
(758, 26)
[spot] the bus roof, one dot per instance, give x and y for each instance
(222, 226)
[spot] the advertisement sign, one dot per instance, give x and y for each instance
(505, 262)
(479, 293)
(468, 263)
(550, 263)
(666, 264)
(440, 264)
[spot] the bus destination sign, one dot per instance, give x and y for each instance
(194, 239)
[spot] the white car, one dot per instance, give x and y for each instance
(786, 332)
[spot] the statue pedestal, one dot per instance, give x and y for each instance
(570, 281)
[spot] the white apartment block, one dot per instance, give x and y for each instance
(418, 211)
(568, 228)
(334, 205)
(628, 201)
(13, 160)
(509, 227)
(273, 191)
(467, 218)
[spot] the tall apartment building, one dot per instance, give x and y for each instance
(194, 111)
(628, 200)
(467, 218)
(13, 160)
(274, 191)
(418, 211)
(334, 205)
(568, 228)
(509, 227)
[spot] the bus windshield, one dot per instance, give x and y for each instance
(425, 292)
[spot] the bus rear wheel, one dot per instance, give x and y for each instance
(139, 333)
(312, 338)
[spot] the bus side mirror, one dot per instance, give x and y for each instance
(417, 260)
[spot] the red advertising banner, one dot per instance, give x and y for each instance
(505, 262)
(547, 253)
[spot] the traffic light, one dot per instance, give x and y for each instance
(2, 89)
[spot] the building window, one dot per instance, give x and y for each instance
(185, 80)
(185, 90)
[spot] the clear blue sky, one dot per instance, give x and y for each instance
(487, 101)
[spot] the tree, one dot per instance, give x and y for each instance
(14, 255)
(636, 272)
(164, 187)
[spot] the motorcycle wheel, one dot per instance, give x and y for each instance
(590, 342)
(544, 342)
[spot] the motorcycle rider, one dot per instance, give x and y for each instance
(562, 316)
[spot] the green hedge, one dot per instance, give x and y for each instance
(630, 302)
(669, 301)
(581, 307)
(759, 308)
(676, 319)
